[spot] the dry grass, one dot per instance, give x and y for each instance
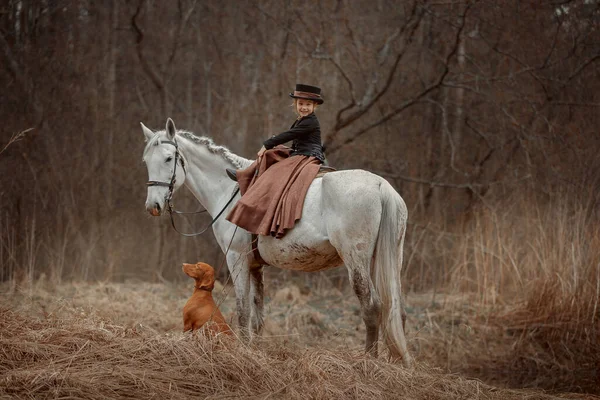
(510, 298)
(530, 284)
(123, 340)
(14, 138)
(500, 346)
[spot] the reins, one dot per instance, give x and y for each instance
(172, 211)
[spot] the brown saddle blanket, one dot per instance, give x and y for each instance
(273, 189)
(323, 169)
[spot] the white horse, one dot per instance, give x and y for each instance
(352, 218)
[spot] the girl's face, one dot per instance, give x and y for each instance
(304, 107)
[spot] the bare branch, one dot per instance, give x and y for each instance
(385, 118)
(13, 65)
(446, 131)
(383, 53)
(152, 74)
(156, 79)
(183, 21)
(15, 138)
(20, 77)
(346, 78)
(432, 183)
(366, 103)
(416, 99)
(286, 28)
(581, 67)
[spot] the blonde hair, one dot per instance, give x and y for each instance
(295, 105)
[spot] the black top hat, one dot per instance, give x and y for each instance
(307, 92)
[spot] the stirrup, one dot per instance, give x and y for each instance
(231, 173)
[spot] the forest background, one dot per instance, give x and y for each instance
(474, 111)
(482, 114)
(461, 105)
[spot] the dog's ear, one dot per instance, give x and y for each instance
(208, 276)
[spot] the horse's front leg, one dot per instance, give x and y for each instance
(240, 276)
(256, 298)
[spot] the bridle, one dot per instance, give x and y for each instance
(171, 186)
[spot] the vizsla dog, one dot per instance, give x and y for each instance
(201, 307)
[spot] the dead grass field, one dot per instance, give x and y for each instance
(118, 340)
(502, 305)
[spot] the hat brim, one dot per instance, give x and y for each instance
(316, 100)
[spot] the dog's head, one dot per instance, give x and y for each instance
(203, 273)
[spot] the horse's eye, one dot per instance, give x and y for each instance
(169, 159)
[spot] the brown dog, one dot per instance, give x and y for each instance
(201, 307)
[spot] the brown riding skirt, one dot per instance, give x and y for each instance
(272, 198)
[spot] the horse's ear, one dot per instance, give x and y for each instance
(147, 132)
(170, 129)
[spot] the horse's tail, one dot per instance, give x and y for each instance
(387, 265)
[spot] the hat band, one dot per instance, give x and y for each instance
(306, 94)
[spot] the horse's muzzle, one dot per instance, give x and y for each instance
(154, 210)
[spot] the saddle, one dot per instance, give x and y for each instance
(323, 169)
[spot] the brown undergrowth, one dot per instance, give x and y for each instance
(124, 340)
(509, 298)
(507, 346)
(529, 278)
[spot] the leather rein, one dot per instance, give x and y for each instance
(171, 186)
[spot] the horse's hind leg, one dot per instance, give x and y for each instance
(256, 298)
(403, 314)
(352, 219)
(369, 303)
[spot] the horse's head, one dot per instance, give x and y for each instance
(166, 168)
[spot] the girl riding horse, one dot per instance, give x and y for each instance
(274, 186)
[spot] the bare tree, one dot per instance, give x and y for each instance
(456, 102)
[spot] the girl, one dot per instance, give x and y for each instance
(274, 186)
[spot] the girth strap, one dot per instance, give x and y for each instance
(255, 251)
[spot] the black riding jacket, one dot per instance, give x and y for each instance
(306, 135)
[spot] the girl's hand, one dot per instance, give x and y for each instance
(261, 151)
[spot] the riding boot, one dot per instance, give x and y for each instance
(231, 173)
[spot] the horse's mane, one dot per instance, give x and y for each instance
(237, 161)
